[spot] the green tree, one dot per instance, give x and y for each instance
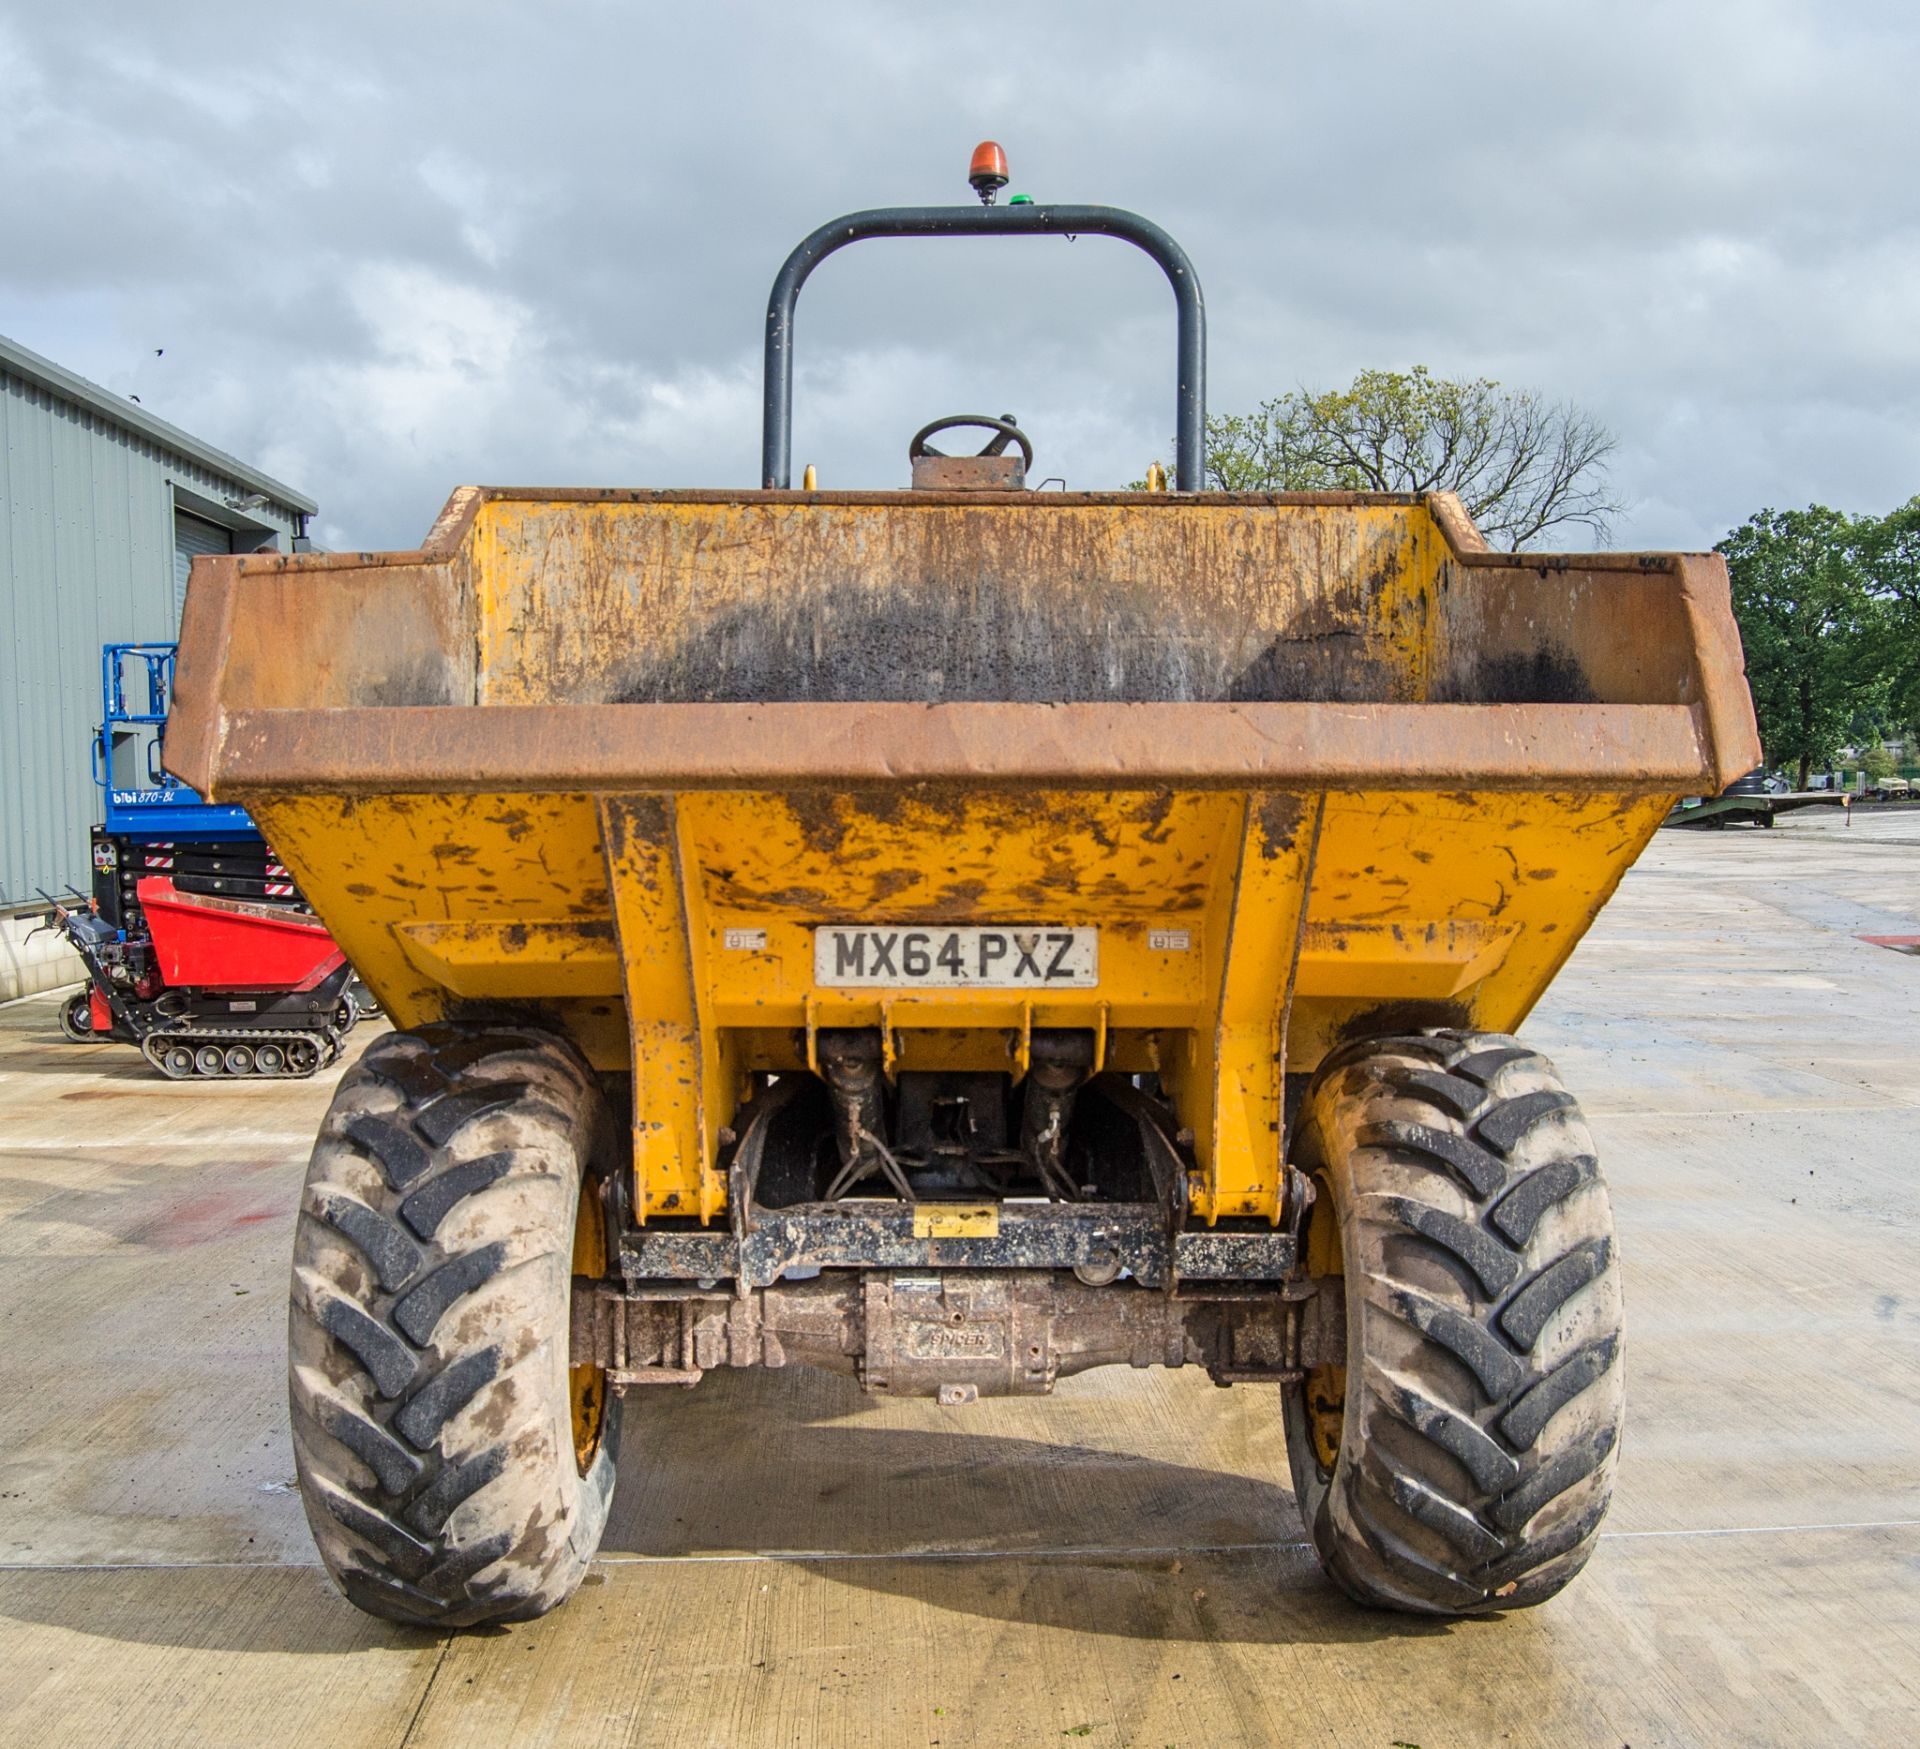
(1877, 764)
(1892, 561)
(1522, 465)
(1813, 626)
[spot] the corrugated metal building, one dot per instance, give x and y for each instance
(102, 507)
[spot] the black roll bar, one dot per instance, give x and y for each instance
(1022, 220)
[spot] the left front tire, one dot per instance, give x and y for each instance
(455, 1468)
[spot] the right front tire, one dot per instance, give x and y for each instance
(1462, 1459)
(454, 1468)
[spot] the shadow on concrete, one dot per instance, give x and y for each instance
(46, 1052)
(1016, 1529)
(764, 1462)
(983, 1524)
(876, 1491)
(224, 1609)
(1270, 1598)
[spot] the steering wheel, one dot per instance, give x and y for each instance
(1005, 430)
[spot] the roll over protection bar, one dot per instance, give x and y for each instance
(1190, 392)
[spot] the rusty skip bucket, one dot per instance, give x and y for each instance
(1309, 766)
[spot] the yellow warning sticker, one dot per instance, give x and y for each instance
(952, 1220)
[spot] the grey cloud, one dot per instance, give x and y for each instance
(389, 249)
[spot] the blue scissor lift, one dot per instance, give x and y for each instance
(195, 1003)
(151, 822)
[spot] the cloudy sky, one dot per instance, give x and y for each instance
(390, 248)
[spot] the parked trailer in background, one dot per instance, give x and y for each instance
(958, 937)
(1757, 799)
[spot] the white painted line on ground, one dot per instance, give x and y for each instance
(47, 996)
(1767, 1529)
(158, 1566)
(1104, 1552)
(1891, 1103)
(1071, 1552)
(1086, 1551)
(241, 1138)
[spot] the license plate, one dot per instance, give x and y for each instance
(1015, 958)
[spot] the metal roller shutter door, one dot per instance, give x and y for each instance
(192, 536)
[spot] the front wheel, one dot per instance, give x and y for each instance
(455, 1469)
(1462, 1460)
(76, 1019)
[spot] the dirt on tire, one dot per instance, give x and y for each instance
(1479, 1413)
(428, 1328)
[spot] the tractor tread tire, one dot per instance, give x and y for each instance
(428, 1337)
(1483, 1389)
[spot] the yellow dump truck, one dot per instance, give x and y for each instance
(959, 936)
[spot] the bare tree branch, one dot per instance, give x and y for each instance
(1524, 467)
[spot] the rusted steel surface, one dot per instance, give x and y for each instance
(957, 1334)
(1303, 623)
(1646, 748)
(940, 598)
(876, 1234)
(968, 473)
(1725, 703)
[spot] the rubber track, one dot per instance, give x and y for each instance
(326, 1045)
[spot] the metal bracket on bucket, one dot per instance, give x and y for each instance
(1190, 403)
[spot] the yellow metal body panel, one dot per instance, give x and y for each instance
(1311, 765)
(439, 899)
(1226, 1067)
(1241, 935)
(1358, 959)
(685, 1071)
(529, 961)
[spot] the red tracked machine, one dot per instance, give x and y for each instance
(212, 986)
(199, 947)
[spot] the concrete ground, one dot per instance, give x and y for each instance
(790, 1563)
